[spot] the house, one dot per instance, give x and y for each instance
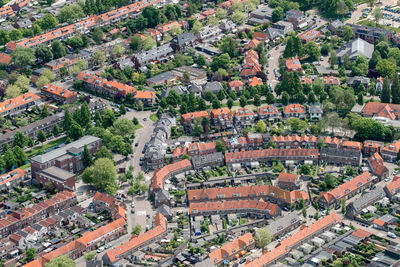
(209, 34)
(331, 80)
(297, 18)
(236, 85)
(262, 15)
(282, 226)
(294, 111)
(167, 27)
(228, 25)
(378, 224)
(136, 243)
(356, 81)
(370, 147)
(244, 117)
(180, 42)
(166, 172)
(254, 81)
(68, 157)
(59, 94)
(379, 84)
(294, 141)
(229, 251)
(155, 34)
(61, 179)
(250, 66)
(345, 190)
(354, 49)
(309, 36)
(252, 44)
(274, 34)
(315, 112)
(199, 149)
(15, 106)
(187, 119)
(213, 87)
(103, 86)
(392, 188)
(258, 208)
(287, 156)
(389, 152)
(260, 36)
(283, 26)
(254, 140)
(208, 160)
(377, 110)
(148, 98)
(160, 53)
(355, 208)
(12, 179)
(269, 113)
(370, 34)
(164, 78)
(340, 156)
(293, 65)
(335, 27)
(222, 118)
(281, 251)
(5, 59)
(288, 181)
(268, 193)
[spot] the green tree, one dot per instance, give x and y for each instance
(67, 120)
(22, 57)
(20, 156)
(75, 131)
(102, 174)
(385, 68)
(42, 81)
(90, 256)
(360, 99)
(30, 254)
(285, 98)
(97, 35)
(43, 53)
(15, 34)
(48, 22)
(277, 14)
(377, 14)
(304, 211)
(312, 50)
(58, 49)
(137, 229)
(108, 118)
(9, 159)
(20, 140)
(99, 57)
(360, 66)
(385, 95)
(123, 127)
(296, 125)
(56, 130)
(260, 126)
(85, 117)
(220, 146)
(41, 136)
(262, 238)
(238, 17)
(87, 159)
(347, 33)
(61, 261)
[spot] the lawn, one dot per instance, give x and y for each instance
(50, 144)
(138, 126)
(154, 117)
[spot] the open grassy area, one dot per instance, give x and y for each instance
(154, 117)
(36, 150)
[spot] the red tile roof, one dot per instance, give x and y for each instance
(17, 101)
(393, 147)
(168, 26)
(193, 115)
(310, 35)
(331, 80)
(145, 94)
(223, 112)
(252, 44)
(243, 112)
(251, 192)
(294, 138)
(93, 236)
(394, 186)
(231, 248)
(293, 65)
(201, 147)
(236, 85)
(114, 86)
(294, 108)
(293, 241)
(390, 111)
(34, 263)
(376, 163)
(4, 58)
(347, 187)
(361, 233)
(264, 153)
(159, 229)
(254, 81)
(287, 177)
(58, 91)
(9, 177)
(238, 205)
(305, 80)
(267, 110)
(379, 222)
(261, 36)
(352, 145)
(157, 181)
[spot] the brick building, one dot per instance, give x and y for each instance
(15, 106)
(288, 181)
(59, 94)
(61, 179)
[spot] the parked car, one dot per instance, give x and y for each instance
(242, 261)
(137, 144)
(133, 204)
(101, 249)
(108, 246)
(391, 235)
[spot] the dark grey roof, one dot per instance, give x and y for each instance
(165, 76)
(357, 80)
(336, 24)
(316, 109)
(214, 87)
(153, 54)
(366, 199)
(276, 226)
(184, 38)
(57, 174)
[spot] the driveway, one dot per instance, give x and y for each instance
(273, 62)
